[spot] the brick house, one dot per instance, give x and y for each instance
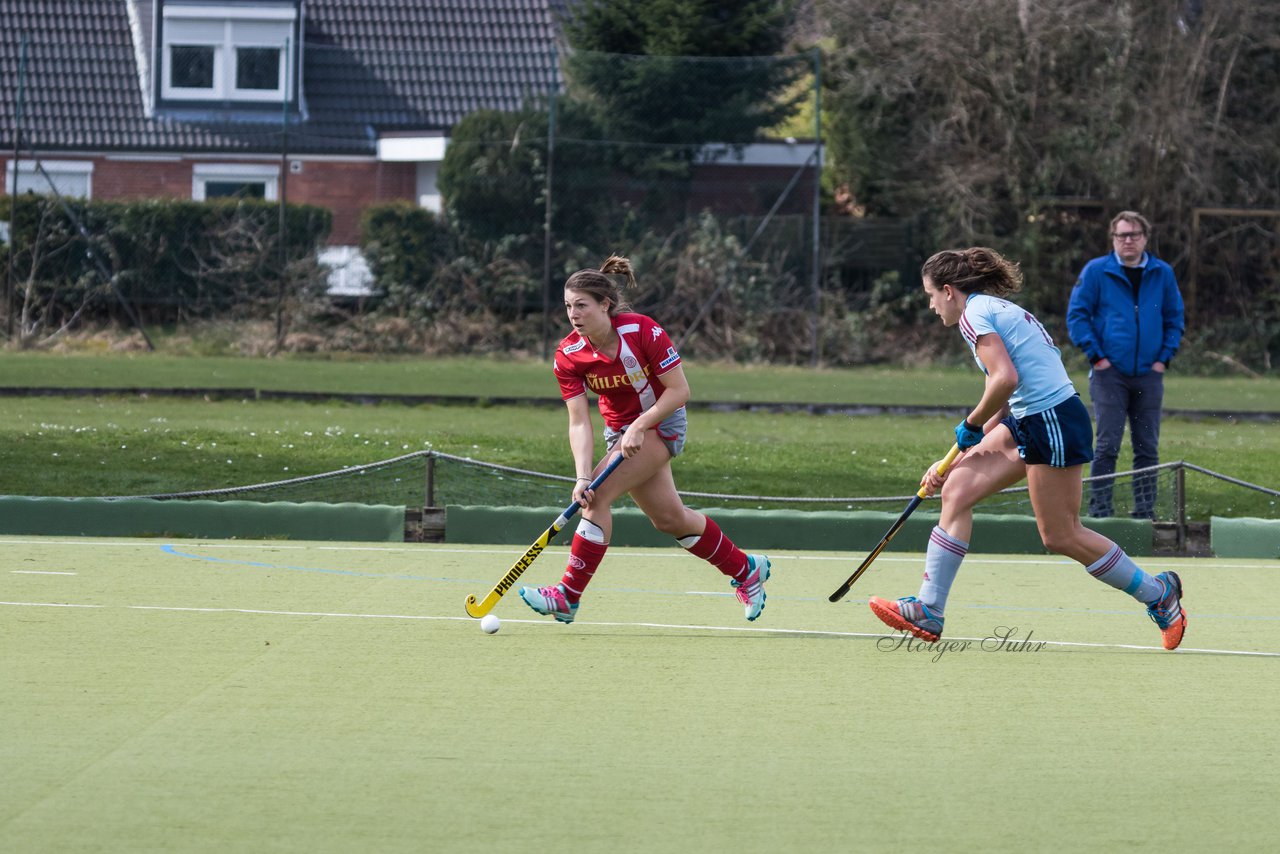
(336, 103)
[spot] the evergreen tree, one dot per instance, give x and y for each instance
(494, 177)
(668, 77)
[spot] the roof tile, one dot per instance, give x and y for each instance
(385, 64)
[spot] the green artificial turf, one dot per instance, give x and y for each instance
(202, 696)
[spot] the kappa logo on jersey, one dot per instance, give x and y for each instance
(573, 348)
(671, 359)
(657, 330)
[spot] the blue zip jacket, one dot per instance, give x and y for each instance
(1105, 318)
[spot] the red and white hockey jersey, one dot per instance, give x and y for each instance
(630, 382)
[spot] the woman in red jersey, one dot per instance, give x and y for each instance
(628, 360)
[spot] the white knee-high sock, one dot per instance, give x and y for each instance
(1118, 570)
(941, 563)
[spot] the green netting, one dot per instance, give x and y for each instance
(401, 481)
(419, 479)
(434, 479)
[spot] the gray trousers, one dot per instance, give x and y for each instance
(1118, 399)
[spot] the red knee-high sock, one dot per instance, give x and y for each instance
(715, 547)
(584, 557)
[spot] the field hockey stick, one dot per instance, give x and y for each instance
(479, 609)
(943, 465)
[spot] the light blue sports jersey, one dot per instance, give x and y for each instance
(1042, 380)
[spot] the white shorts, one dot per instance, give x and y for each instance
(671, 431)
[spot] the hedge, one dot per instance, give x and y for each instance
(172, 259)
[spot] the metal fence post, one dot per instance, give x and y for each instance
(815, 342)
(1180, 490)
(13, 195)
(430, 497)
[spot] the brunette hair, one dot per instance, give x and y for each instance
(604, 284)
(974, 270)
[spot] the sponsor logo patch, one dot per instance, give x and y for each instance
(671, 359)
(573, 348)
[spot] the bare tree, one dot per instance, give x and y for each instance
(48, 308)
(1024, 123)
(238, 265)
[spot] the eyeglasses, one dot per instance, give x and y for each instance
(1129, 235)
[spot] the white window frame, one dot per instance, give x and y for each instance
(282, 74)
(427, 153)
(168, 90)
(224, 49)
(248, 173)
(29, 177)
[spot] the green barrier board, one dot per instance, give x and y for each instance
(761, 530)
(147, 517)
(1244, 537)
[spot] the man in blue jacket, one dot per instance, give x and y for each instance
(1126, 315)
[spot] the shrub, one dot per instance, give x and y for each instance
(171, 259)
(406, 246)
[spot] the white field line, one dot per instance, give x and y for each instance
(621, 552)
(672, 626)
(40, 572)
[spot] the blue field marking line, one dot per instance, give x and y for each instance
(622, 552)
(172, 550)
(1106, 612)
(605, 587)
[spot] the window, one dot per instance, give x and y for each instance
(258, 68)
(71, 178)
(235, 189)
(192, 66)
(234, 180)
(227, 53)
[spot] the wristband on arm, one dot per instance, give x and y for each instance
(967, 435)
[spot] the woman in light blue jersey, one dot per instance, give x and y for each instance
(1029, 423)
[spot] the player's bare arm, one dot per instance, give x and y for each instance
(582, 445)
(1002, 378)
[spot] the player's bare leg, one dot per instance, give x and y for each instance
(591, 539)
(1055, 496)
(702, 537)
(983, 471)
(990, 466)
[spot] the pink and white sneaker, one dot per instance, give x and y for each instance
(750, 592)
(550, 601)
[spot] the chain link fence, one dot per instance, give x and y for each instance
(526, 161)
(533, 162)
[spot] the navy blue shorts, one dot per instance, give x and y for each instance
(1060, 437)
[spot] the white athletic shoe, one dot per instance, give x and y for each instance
(751, 591)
